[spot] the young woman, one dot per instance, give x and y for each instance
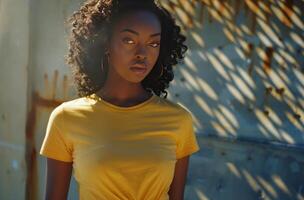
(121, 139)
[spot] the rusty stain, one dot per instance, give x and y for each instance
(266, 112)
(280, 91)
(223, 10)
(190, 22)
(206, 2)
(267, 59)
(248, 50)
(30, 151)
(267, 92)
(254, 7)
(297, 116)
(219, 7)
(171, 6)
(46, 84)
(288, 12)
(40, 101)
(55, 79)
(65, 86)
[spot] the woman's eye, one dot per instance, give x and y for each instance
(154, 45)
(128, 40)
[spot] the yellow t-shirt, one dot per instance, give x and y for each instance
(120, 153)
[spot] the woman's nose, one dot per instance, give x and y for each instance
(141, 51)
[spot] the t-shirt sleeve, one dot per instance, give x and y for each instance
(55, 144)
(187, 143)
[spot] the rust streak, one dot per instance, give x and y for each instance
(49, 103)
(30, 151)
(248, 47)
(65, 86)
(252, 6)
(249, 52)
(288, 12)
(206, 2)
(55, 79)
(171, 5)
(268, 58)
(46, 85)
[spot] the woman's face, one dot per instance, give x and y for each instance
(135, 43)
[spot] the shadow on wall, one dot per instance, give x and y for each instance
(244, 71)
(244, 65)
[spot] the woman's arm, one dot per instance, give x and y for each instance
(177, 186)
(58, 179)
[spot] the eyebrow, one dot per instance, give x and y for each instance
(136, 33)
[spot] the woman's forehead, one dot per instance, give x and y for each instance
(139, 21)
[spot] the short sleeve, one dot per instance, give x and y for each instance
(187, 143)
(55, 144)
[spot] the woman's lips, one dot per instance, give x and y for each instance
(138, 70)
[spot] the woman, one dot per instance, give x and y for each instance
(120, 138)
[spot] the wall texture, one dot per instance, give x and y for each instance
(242, 79)
(14, 58)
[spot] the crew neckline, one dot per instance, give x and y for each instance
(121, 108)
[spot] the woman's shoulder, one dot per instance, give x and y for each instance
(79, 103)
(176, 106)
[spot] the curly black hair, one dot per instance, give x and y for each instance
(91, 28)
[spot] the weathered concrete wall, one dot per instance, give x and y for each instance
(245, 170)
(243, 76)
(242, 79)
(14, 45)
(51, 83)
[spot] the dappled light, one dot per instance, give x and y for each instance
(245, 70)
